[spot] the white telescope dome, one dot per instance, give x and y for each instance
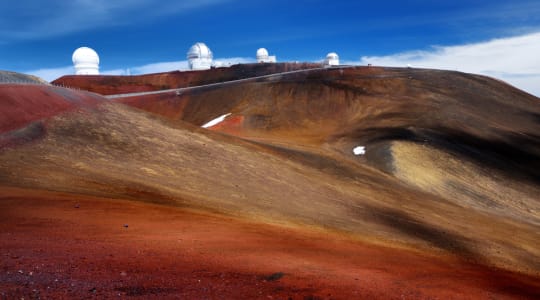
(332, 59)
(263, 57)
(262, 53)
(85, 61)
(200, 57)
(332, 55)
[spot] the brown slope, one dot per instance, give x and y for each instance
(488, 129)
(110, 84)
(120, 152)
(57, 245)
(358, 102)
(465, 138)
(300, 172)
(23, 107)
(21, 103)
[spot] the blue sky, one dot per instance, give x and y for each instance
(496, 38)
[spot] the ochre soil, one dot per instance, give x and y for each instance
(66, 246)
(271, 203)
(21, 104)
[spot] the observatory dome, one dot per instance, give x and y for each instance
(85, 61)
(200, 57)
(332, 59)
(263, 57)
(262, 54)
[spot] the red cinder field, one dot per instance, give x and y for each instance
(131, 197)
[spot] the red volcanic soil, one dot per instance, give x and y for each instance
(57, 245)
(110, 85)
(22, 104)
(135, 199)
(230, 125)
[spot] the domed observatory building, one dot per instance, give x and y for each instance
(263, 57)
(332, 59)
(85, 61)
(200, 57)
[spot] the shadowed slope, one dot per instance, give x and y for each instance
(468, 139)
(116, 151)
(355, 103)
(488, 129)
(481, 120)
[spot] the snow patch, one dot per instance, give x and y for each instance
(215, 121)
(359, 150)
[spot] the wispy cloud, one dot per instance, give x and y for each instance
(159, 67)
(233, 60)
(29, 19)
(181, 65)
(51, 74)
(513, 59)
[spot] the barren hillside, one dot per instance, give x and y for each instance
(449, 178)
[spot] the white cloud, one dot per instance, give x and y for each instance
(181, 65)
(233, 61)
(159, 67)
(514, 60)
(109, 72)
(51, 74)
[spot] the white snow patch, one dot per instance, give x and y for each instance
(215, 121)
(360, 150)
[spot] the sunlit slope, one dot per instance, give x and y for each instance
(25, 107)
(117, 151)
(21, 104)
(14, 77)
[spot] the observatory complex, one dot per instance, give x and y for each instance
(85, 61)
(332, 59)
(263, 57)
(200, 57)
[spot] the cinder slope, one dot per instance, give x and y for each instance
(24, 108)
(442, 172)
(364, 102)
(468, 139)
(59, 245)
(471, 139)
(117, 151)
(21, 103)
